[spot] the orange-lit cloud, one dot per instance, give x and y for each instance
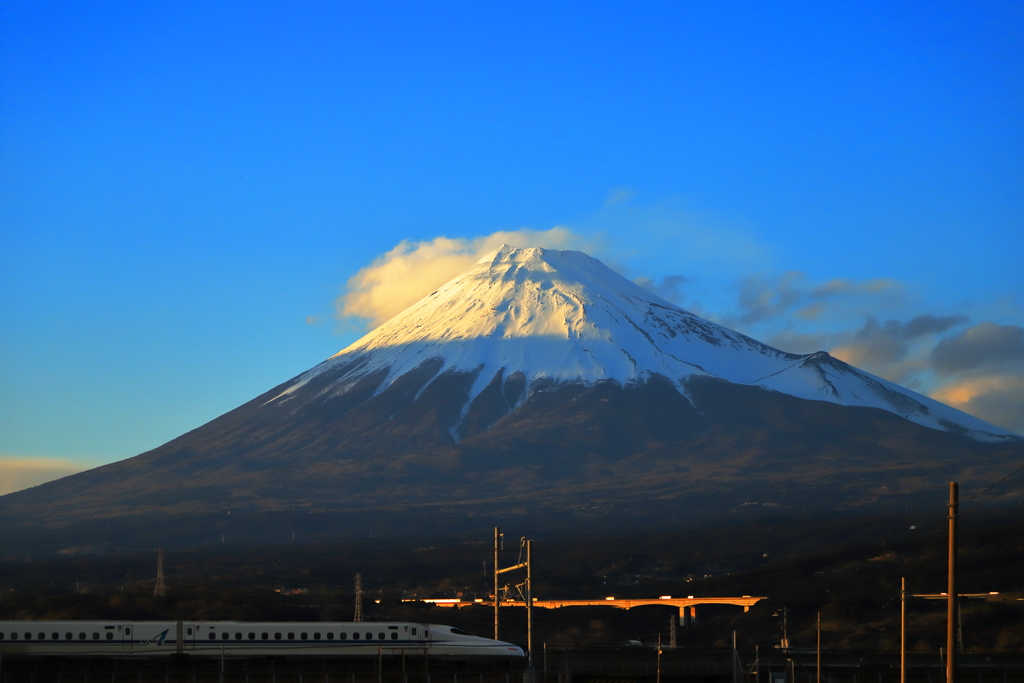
(849, 354)
(999, 399)
(412, 270)
(960, 393)
(21, 472)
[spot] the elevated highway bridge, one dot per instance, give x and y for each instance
(629, 603)
(685, 605)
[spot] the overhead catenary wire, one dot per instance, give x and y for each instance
(987, 491)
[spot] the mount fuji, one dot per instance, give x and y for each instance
(543, 383)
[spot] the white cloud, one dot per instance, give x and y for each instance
(698, 243)
(22, 472)
(618, 194)
(412, 270)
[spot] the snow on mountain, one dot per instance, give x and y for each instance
(564, 316)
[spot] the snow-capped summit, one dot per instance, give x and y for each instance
(562, 316)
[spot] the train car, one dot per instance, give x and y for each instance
(247, 639)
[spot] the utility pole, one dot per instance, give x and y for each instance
(951, 596)
(819, 648)
(903, 630)
(672, 630)
(497, 598)
(529, 607)
(160, 591)
(659, 659)
(357, 616)
(735, 660)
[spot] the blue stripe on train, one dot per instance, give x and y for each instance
(219, 643)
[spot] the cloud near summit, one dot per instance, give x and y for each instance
(412, 270)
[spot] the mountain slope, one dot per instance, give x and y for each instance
(542, 380)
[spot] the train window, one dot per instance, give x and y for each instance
(224, 636)
(42, 636)
(277, 636)
(380, 636)
(14, 636)
(330, 636)
(342, 636)
(459, 632)
(81, 636)
(95, 636)
(414, 630)
(303, 636)
(264, 636)
(110, 636)
(316, 636)
(213, 636)
(67, 636)
(28, 636)
(355, 636)
(252, 636)
(394, 636)
(1, 636)
(54, 636)
(291, 636)
(238, 636)
(127, 631)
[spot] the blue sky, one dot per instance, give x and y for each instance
(187, 188)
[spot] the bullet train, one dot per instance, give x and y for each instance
(247, 639)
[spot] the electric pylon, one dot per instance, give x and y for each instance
(358, 616)
(161, 590)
